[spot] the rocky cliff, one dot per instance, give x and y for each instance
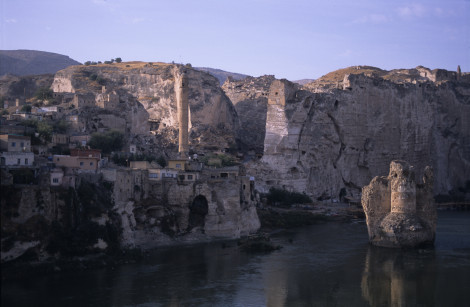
(250, 98)
(331, 137)
(149, 88)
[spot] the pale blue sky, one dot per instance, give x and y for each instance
(291, 39)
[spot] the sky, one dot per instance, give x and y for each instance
(292, 39)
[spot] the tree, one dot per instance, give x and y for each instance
(161, 161)
(118, 60)
(109, 141)
(60, 126)
(44, 130)
(43, 93)
(26, 108)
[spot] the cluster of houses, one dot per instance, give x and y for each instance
(17, 153)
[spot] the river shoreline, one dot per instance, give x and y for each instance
(273, 219)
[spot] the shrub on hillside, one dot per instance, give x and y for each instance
(286, 198)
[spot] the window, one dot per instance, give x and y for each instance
(13, 144)
(26, 161)
(178, 165)
(190, 177)
(81, 163)
(18, 161)
(55, 180)
(153, 175)
(21, 144)
(91, 163)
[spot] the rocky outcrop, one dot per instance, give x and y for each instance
(147, 90)
(334, 135)
(400, 213)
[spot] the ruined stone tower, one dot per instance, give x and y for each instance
(181, 90)
(399, 212)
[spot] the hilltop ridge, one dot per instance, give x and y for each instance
(32, 62)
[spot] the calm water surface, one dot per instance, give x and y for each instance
(329, 264)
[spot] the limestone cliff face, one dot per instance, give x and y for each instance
(149, 89)
(340, 134)
(250, 98)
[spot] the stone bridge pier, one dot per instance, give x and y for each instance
(399, 212)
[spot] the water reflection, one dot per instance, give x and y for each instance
(328, 264)
(395, 277)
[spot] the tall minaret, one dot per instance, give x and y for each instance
(181, 89)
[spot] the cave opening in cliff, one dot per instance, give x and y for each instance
(197, 212)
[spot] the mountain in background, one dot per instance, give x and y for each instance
(222, 75)
(32, 62)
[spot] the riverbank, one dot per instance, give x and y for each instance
(272, 220)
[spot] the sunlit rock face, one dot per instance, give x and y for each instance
(146, 100)
(399, 212)
(331, 137)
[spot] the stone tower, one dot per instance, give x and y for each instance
(399, 212)
(181, 90)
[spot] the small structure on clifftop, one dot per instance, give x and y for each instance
(399, 212)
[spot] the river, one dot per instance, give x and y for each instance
(328, 264)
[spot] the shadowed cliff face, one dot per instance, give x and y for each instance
(213, 121)
(333, 135)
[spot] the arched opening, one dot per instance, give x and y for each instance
(197, 212)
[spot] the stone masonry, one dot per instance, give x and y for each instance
(399, 212)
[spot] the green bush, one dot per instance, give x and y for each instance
(43, 93)
(26, 108)
(109, 141)
(286, 198)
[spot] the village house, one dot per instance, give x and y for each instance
(17, 158)
(11, 142)
(23, 116)
(77, 162)
(90, 153)
(157, 174)
(79, 140)
(53, 112)
(60, 139)
(57, 176)
(179, 164)
(107, 100)
(83, 100)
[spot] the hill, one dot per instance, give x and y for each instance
(221, 75)
(32, 62)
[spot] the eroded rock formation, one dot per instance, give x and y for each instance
(332, 136)
(400, 213)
